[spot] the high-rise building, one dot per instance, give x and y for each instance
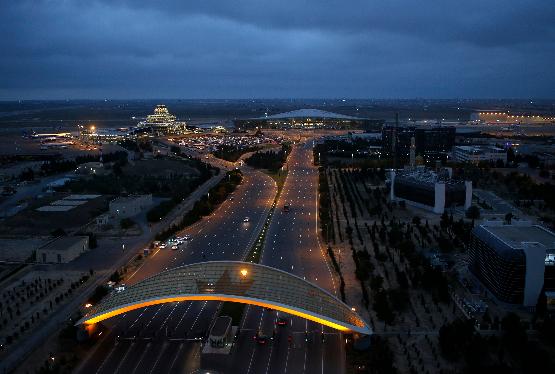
(431, 143)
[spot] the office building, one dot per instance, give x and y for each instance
(513, 262)
(431, 142)
(129, 206)
(428, 189)
(63, 249)
(475, 154)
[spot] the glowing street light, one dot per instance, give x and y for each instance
(244, 272)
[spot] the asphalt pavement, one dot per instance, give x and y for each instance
(292, 244)
(166, 338)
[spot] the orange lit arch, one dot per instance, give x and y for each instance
(233, 281)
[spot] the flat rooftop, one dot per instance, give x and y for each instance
(479, 148)
(514, 235)
(127, 199)
(62, 243)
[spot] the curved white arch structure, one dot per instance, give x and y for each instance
(234, 281)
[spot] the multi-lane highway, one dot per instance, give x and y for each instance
(292, 244)
(167, 338)
(163, 338)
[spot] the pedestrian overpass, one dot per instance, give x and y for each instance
(241, 282)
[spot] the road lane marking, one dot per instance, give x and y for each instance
(124, 357)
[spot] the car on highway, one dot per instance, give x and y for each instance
(120, 288)
(281, 321)
(187, 237)
(175, 247)
(262, 339)
(162, 246)
(246, 219)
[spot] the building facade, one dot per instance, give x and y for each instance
(308, 119)
(424, 188)
(431, 142)
(162, 122)
(129, 206)
(63, 249)
(513, 261)
(475, 154)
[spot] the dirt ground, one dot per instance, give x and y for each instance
(30, 299)
(413, 336)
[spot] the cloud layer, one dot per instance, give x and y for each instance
(289, 48)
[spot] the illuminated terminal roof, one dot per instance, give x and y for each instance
(161, 115)
(242, 282)
(309, 113)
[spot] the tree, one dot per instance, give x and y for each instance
(444, 222)
(455, 337)
(508, 218)
(376, 283)
(541, 305)
(126, 223)
(92, 241)
(381, 357)
(511, 156)
(444, 244)
(416, 220)
(382, 307)
(514, 334)
(473, 213)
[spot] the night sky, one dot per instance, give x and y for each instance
(64, 49)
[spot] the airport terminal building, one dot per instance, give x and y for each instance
(513, 262)
(308, 119)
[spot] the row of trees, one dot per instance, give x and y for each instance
(231, 153)
(270, 160)
(511, 351)
(61, 166)
(207, 204)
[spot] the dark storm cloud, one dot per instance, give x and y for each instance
(255, 48)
